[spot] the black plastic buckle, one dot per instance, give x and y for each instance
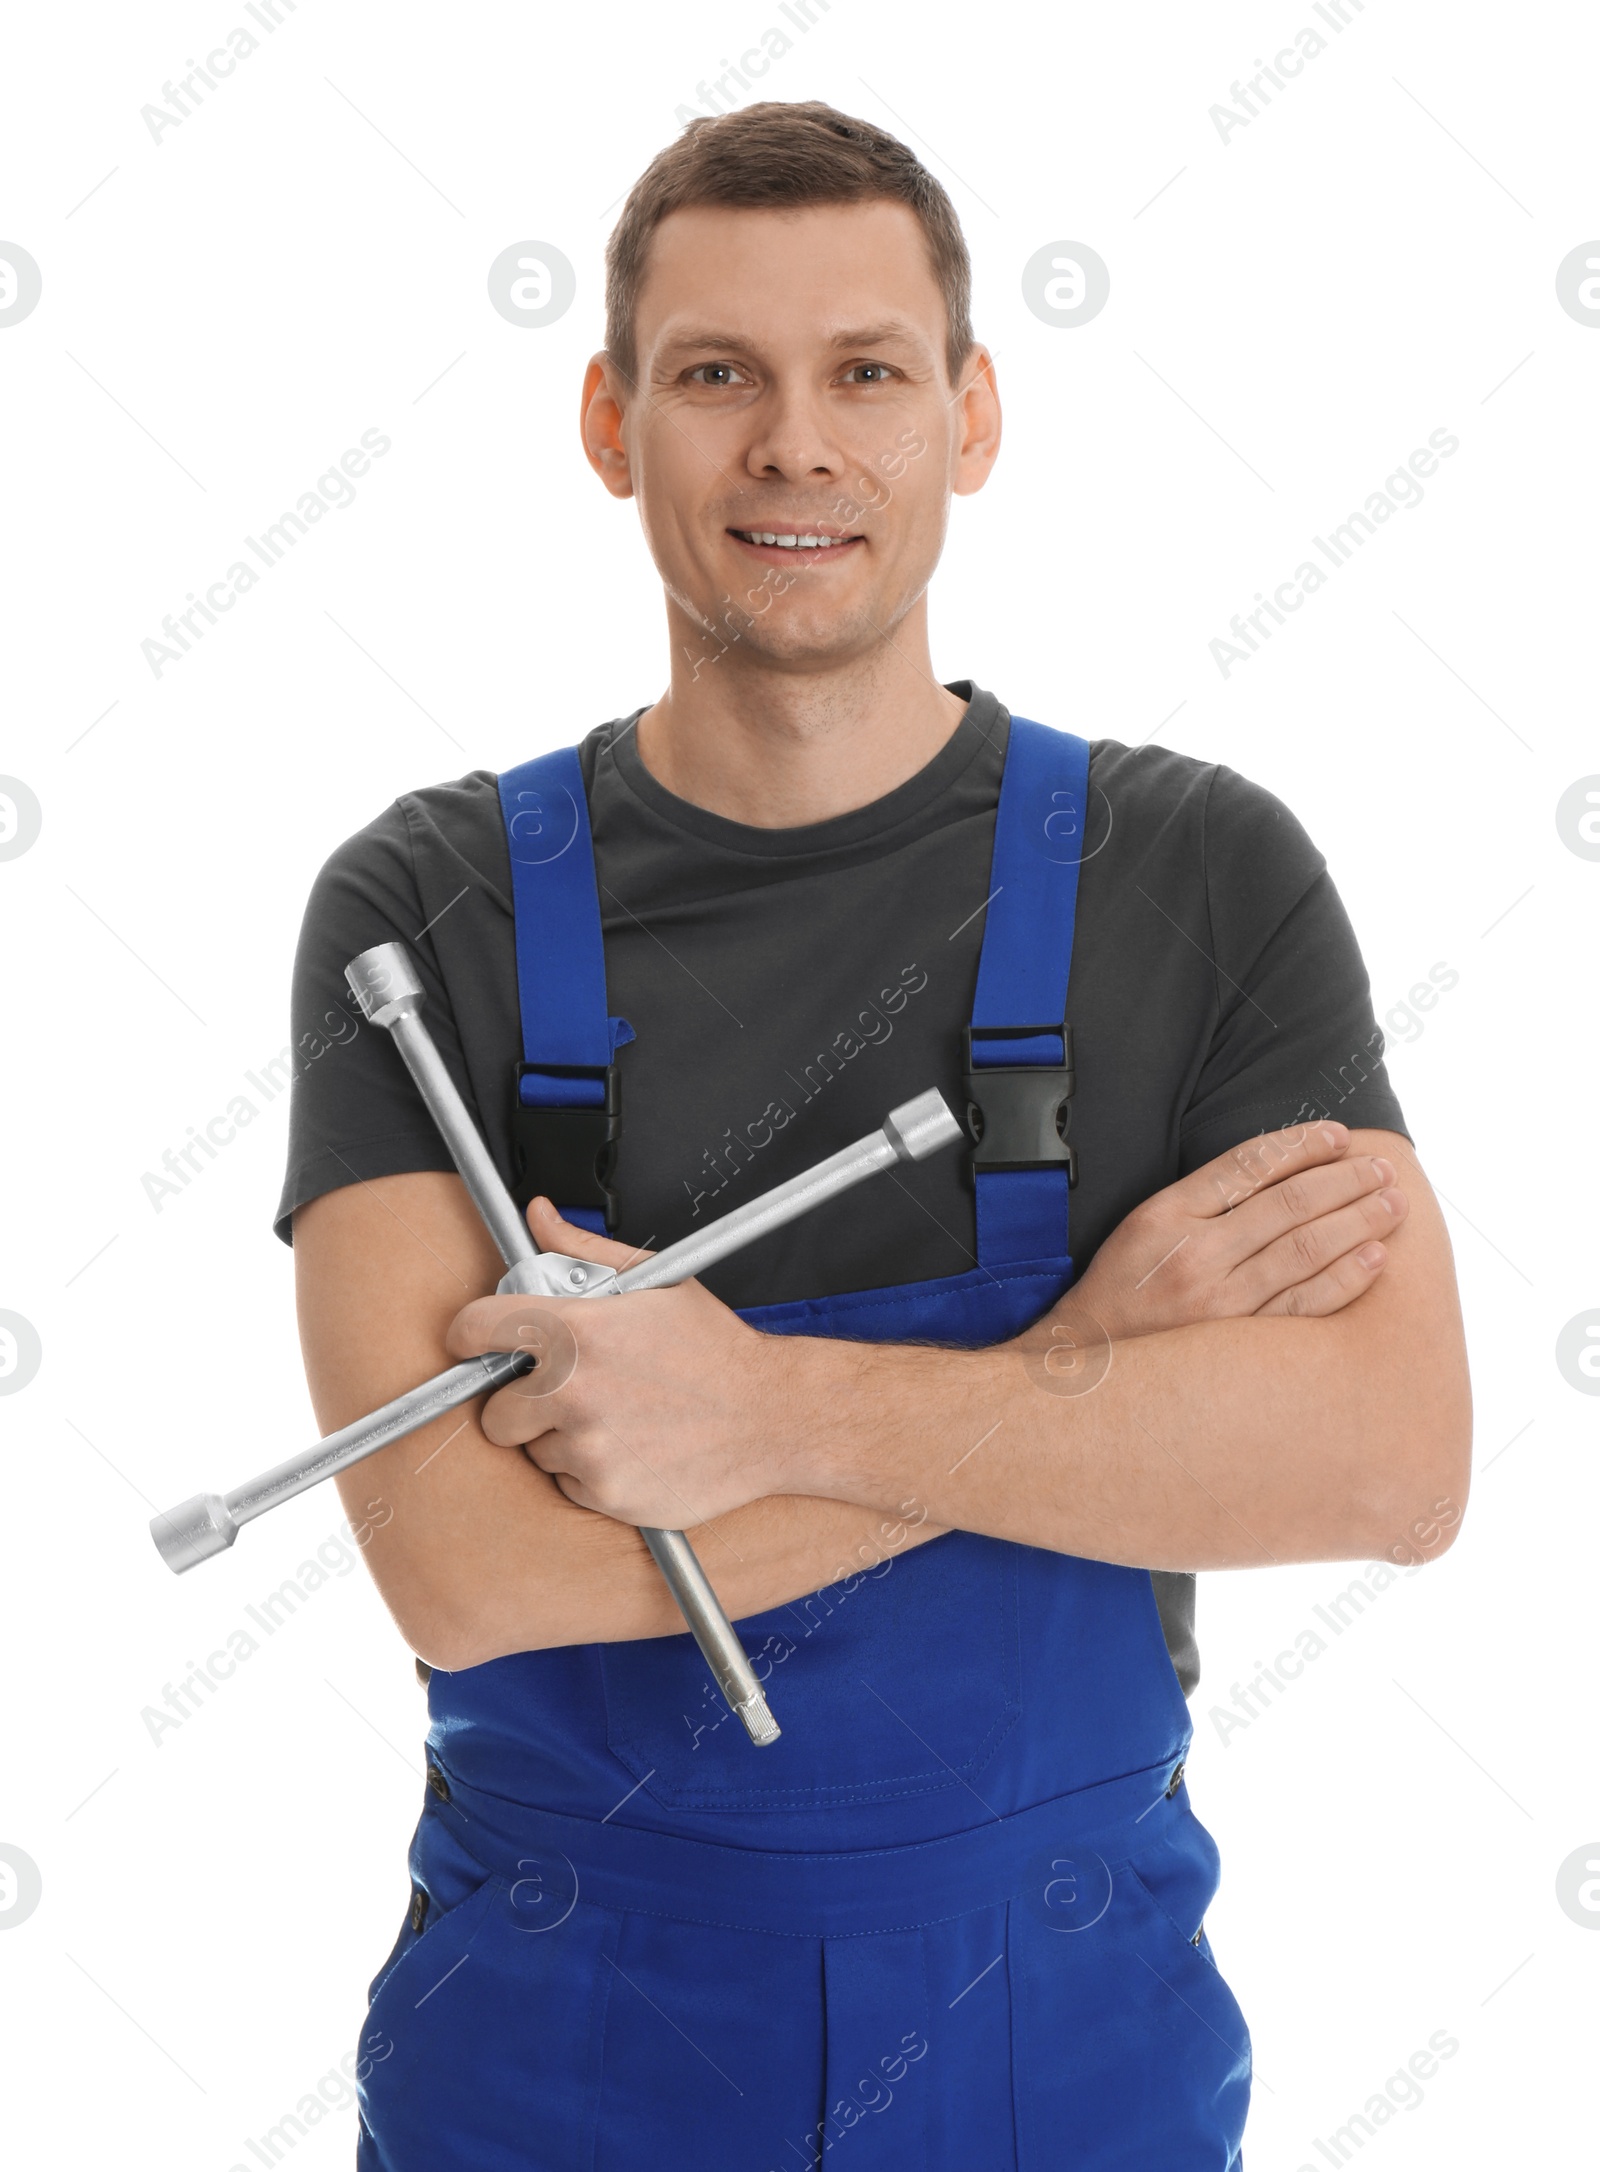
(1017, 1113)
(568, 1154)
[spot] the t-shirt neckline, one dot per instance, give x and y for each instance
(980, 724)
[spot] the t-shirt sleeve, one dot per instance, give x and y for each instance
(354, 1113)
(1295, 1039)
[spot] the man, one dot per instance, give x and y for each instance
(951, 1480)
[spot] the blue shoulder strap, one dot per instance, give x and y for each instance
(569, 1038)
(1023, 971)
(561, 970)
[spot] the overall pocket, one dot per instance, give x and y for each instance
(444, 1878)
(481, 2044)
(1129, 2049)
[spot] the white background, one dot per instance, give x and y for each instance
(304, 258)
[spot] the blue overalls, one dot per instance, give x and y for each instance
(951, 1920)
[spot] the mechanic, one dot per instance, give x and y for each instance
(951, 1448)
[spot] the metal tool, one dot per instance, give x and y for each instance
(391, 995)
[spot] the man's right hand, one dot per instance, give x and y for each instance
(1289, 1222)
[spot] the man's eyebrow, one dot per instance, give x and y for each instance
(867, 335)
(874, 335)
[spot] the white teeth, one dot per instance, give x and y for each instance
(796, 542)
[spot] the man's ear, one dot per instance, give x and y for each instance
(977, 408)
(600, 426)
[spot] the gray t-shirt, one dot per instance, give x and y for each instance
(1217, 991)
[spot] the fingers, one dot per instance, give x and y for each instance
(514, 1323)
(1291, 1204)
(501, 1323)
(523, 1409)
(1312, 1249)
(1330, 1291)
(552, 1234)
(1245, 1170)
(510, 1420)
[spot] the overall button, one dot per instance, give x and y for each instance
(419, 1908)
(1177, 1779)
(438, 1783)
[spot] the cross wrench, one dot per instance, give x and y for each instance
(391, 995)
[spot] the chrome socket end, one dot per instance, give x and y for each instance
(194, 1531)
(385, 983)
(922, 1127)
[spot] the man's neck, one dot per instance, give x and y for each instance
(777, 748)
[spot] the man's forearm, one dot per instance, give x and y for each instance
(1227, 1444)
(479, 1555)
(1239, 1437)
(799, 1462)
(476, 1551)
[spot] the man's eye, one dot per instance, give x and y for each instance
(723, 373)
(881, 368)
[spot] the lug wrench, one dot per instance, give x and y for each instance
(391, 995)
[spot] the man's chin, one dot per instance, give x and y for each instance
(806, 645)
(794, 628)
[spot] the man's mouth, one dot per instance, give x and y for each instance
(794, 539)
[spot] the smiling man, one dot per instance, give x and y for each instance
(951, 1449)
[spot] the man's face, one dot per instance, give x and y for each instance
(792, 383)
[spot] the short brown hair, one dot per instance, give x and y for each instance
(777, 156)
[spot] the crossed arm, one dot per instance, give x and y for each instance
(1264, 1363)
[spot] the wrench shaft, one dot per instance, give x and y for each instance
(417, 1407)
(391, 994)
(784, 1203)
